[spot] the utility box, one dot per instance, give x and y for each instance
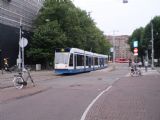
(38, 67)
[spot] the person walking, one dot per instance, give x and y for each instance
(130, 62)
(140, 64)
(146, 65)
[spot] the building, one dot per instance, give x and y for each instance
(122, 48)
(12, 14)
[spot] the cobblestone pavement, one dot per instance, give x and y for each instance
(131, 98)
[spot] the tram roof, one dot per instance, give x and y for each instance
(72, 50)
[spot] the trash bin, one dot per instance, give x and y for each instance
(38, 67)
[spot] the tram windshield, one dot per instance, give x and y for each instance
(61, 58)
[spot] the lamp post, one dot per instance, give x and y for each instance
(114, 48)
(152, 41)
(19, 61)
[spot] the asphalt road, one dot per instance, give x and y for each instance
(67, 98)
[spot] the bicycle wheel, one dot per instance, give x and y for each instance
(18, 82)
(140, 73)
(132, 73)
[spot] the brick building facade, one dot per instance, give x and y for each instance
(122, 48)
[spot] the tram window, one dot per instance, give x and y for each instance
(80, 60)
(92, 61)
(105, 61)
(96, 61)
(100, 61)
(71, 60)
(61, 58)
(87, 61)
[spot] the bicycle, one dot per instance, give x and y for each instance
(135, 72)
(20, 81)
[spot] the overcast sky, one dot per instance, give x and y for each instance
(113, 15)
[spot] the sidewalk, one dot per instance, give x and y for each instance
(150, 71)
(9, 92)
(130, 98)
(6, 78)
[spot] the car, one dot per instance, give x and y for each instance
(122, 60)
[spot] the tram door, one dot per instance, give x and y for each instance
(75, 61)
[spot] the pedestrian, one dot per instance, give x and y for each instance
(6, 64)
(140, 64)
(146, 65)
(130, 62)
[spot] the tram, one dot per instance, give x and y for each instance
(74, 60)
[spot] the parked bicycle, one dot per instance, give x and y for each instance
(21, 80)
(135, 71)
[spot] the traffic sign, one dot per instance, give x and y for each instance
(135, 54)
(135, 44)
(23, 42)
(111, 49)
(135, 50)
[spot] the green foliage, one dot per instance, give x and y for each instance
(46, 38)
(156, 35)
(60, 24)
(143, 35)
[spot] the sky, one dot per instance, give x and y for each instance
(114, 15)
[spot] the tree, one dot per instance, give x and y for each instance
(143, 35)
(137, 35)
(60, 24)
(156, 34)
(46, 38)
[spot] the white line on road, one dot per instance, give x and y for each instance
(91, 104)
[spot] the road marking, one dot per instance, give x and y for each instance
(91, 104)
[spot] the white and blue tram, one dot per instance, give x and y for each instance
(74, 60)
